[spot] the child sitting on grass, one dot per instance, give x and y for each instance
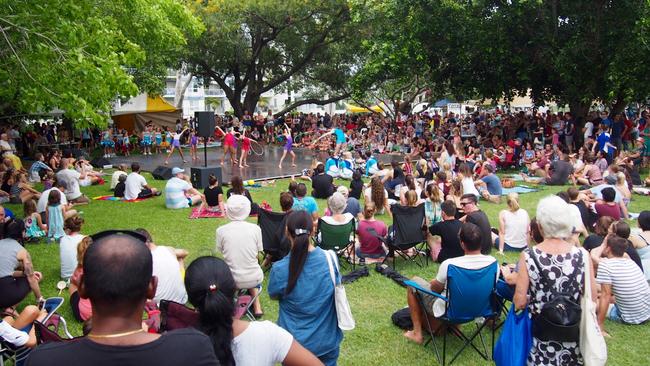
(34, 227)
(120, 187)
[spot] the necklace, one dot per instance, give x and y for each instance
(115, 335)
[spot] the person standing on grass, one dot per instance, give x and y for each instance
(117, 278)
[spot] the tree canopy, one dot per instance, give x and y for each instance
(252, 46)
(80, 55)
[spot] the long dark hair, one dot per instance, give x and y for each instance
(237, 185)
(299, 227)
(211, 290)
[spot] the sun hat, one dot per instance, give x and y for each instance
(238, 207)
(177, 170)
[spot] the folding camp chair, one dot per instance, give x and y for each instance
(17, 355)
(470, 297)
(45, 334)
(339, 238)
(406, 234)
(274, 240)
(245, 303)
(176, 316)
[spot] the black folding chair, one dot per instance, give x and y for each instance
(274, 240)
(17, 355)
(406, 234)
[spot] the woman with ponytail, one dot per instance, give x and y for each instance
(211, 290)
(302, 283)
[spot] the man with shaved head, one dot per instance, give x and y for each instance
(117, 278)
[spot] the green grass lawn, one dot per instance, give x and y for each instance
(373, 299)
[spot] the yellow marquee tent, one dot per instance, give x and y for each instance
(356, 109)
(134, 114)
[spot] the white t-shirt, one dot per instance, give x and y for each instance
(71, 179)
(133, 185)
(68, 253)
(589, 129)
(115, 178)
(168, 270)
(240, 242)
(576, 218)
(261, 344)
(42, 202)
(469, 187)
(474, 261)
(175, 193)
(330, 220)
(516, 228)
(629, 287)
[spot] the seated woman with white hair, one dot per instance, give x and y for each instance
(553, 266)
(240, 242)
(336, 205)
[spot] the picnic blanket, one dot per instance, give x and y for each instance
(197, 213)
(518, 189)
(113, 198)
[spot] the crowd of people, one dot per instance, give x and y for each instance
(448, 171)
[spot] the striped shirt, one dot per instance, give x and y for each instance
(175, 193)
(629, 287)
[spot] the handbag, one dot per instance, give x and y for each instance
(592, 342)
(516, 339)
(559, 318)
(343, 311)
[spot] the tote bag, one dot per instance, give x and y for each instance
(515, 340)
(343, 311)
(592, 342)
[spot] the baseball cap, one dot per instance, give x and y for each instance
(177, 170)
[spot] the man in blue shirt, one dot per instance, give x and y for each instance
(489, 185)
(618, 126)
(604, 119)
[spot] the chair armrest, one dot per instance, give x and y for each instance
(411, 283)
(374, 233)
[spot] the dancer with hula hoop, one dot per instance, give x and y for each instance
(340, 139)
(245, 148)
(176, 144)
(229, 146)
(288, 147)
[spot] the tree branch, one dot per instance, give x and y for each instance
(312, 101)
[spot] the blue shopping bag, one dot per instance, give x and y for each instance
(515, 340)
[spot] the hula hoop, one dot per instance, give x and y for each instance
(256, 148)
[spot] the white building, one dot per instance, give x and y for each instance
(212, 98)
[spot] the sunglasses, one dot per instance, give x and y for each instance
(465, 203)
(130, 233)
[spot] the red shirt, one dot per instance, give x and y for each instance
(368, 243)
(603, 209)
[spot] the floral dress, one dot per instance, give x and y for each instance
(566, 272)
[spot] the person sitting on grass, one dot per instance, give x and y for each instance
(489, 185)
(42, 201)
(213, 194)
(608, 207)
(237, 188)
(212, 291)
(115, 178)
(34, 226)
(38, 168)
(240, 243)
(55, 212)
(81, 308)
(120, 187)
(514, 226)
(624, 291)
(68, 246)
(117, 279)
(448, 243)
(304, 203)
(71, 179)
(179, 192)
(17, 275)
(370, 247)
(322, 184)
(168, 268)
(470, 238)
(136, 185)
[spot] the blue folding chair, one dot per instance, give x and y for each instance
(471, 296)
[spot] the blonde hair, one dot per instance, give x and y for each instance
(620, 178)
(81, 249)
(411, 198)
(369, 210)
(513, 201)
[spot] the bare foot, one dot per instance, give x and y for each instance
(241, 166)
(293, 165)
(166, 163)
(280, 166)
(246, 165)
(413, 337)
(222, 163)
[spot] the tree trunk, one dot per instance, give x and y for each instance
(617, 107)
(580, 111)
(181, 87)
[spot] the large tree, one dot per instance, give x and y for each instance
(251, 47)
(569, 52)
(80, 55)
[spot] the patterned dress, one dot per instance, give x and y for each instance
(566, 272)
